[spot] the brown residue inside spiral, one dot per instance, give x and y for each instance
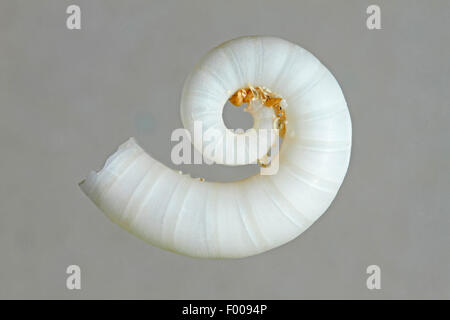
(268, 99)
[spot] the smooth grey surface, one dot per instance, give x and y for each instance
(69, 98)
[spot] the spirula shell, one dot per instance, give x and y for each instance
(250, 216)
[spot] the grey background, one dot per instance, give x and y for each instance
(69, 98)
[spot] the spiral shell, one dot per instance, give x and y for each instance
(246, 217)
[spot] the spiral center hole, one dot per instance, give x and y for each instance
(236, 118)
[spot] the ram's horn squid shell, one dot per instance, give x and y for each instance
(250, 216)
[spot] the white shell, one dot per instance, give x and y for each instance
(243, 218)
